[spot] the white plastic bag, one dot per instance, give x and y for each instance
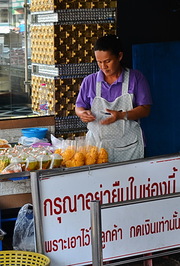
(2, 234)
(24, 236)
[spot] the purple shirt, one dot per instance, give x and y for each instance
(138, 86)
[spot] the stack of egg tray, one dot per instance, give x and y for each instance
(55, 5)
(63, 33)
(68, 126)
(62, 93)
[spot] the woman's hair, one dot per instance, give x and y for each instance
(109, 43)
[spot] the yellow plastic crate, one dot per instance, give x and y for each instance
(23, 258)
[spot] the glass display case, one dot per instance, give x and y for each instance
(15, 62)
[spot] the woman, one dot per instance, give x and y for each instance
(112, 101)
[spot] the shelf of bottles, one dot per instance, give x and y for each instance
(62, 36)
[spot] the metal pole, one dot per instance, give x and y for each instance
(37, 212)
(26, 81)
(96, 234)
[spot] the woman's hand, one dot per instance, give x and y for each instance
(134, 114)
(114, 116)
(85, 115)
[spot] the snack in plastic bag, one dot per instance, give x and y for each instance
(23, 236)
(102, 156)
(68, 151)
(4, 161)
(68, 154)
(44, 161)
(31, 163)
(12, 168)
(56, 143)
(58, 151)
(20, 159)
(91, 155)
(56, 160)
(77, 160)
(4, 144)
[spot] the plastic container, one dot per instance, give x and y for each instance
(38, 132)
(23, 258)
(43, 100)
(41, 144)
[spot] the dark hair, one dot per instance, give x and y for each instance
(109, 43)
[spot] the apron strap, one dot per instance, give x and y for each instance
(98, 89)
(125, 84)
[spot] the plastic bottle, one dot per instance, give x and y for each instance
(43, 102)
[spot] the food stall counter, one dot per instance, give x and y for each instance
(15, 190)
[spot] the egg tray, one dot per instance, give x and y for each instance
(65, 70)
(69, 124)
(73, 16)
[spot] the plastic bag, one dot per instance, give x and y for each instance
(56, 142)
(24, 236)
(25, 141)
(2, 234)
(12, 168)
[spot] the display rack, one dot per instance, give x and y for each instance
(62, 38)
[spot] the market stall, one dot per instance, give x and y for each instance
(62, 196)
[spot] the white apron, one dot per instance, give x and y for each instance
(123, 138)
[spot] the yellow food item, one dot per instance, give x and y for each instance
(90, 159)
(78, 163)
(82, 149)
(94, 152)
(78, 159)
(3, 163)
(5, 145)
(69, 163)
(102, 156)
(3, 141)
(101, 160)
(103, 153)
(68, 154)
(79, 156)
(91, 155)
(63, 163)
(84, 156)
(58, 151)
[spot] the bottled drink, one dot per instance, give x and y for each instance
(43, 101)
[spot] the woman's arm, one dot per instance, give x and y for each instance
(138, 112)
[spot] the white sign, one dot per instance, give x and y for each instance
(141, 228)
(65, 207)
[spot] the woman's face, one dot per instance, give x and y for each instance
(109, 63)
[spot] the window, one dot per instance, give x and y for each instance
(15, 60)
